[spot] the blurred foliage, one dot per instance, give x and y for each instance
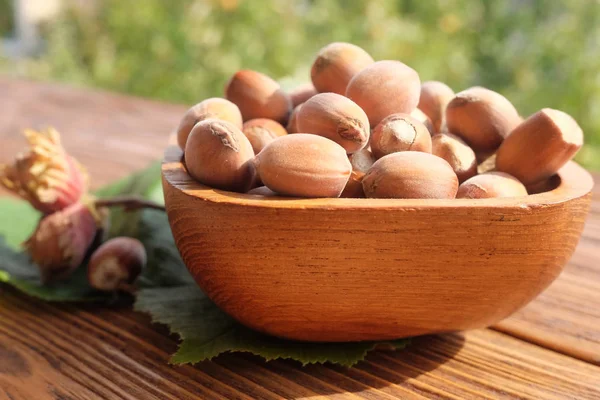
(6, 22)
(539, 53)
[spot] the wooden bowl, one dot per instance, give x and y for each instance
(372, 269)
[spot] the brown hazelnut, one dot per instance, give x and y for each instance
(424, 119)
(218, 154)
(116, 264)
(304, 165)
(292, 126)
(454, 150)
(337, 118)
(435, 96)
(400, 132)
(336, 64)
(258, 96)
(410, 175)
(491, 184)
(482, 118)
(384, 88)
(361, 161)
(262, 131)
(215, 108)
(302, 93)
(540, 146)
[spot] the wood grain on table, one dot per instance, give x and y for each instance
(549, 350)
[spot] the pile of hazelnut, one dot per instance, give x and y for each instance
(367, 128)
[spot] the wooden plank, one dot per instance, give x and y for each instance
(48, 351)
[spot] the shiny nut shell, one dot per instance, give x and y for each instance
(410, 175)
(482, 118)
(337, 118)
(258, 96)
(335, 66)
(384, 88)
(304, 165)
(489, 185)
(262, 131)
(400, 132)
(458, 154)
(214, 107)
(540, 146)
(218, 154)
(435, 96)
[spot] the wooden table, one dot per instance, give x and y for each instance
(549, 350)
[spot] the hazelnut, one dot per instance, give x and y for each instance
(400, 132)
(487, 165)
(258, 96)
(116, 264)
(292, 126)
(304, 165)
(410, 175)
(262, 131)
(218, 154)
(435, 96)
(454, 150)
(337, 118)
(336, 64)
(384, 88)
(482, 118)
(262, 191)
(361, 161)
(215, 108)
(424, 119)
(491, 184)
(540, 146)
(302, 93)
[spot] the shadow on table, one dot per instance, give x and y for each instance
(381, 369)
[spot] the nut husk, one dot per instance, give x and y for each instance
(410, 175)
(335, 66)
(262, 131)
(457, 153)
(384, 88)
(482, 118)
(540, 146)
(435, 96)
(400, 132)
(489, 185)
(258, 96)
(218, 154)
(337, 118)
(304, 165)
(214, 108)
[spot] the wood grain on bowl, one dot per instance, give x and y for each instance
(365, 269)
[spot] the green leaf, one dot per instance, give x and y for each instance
(17, 221)
(207, 331)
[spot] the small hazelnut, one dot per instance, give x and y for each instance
(384, 88)
(292, 126)
(337, 118)
(302, 93)
(424, 119)
(489, 185)
(435, 96)
(258, 96)
(215, 108)
(361, 161)
(400, 132)
(540, 146)
(116, 264)
(336, 64)
(262, 131)
(410, 175)
(218, 154)
(304, 165)
(454, 150)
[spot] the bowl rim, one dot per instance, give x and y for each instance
(575, 182)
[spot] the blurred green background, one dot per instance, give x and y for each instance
(538, 53)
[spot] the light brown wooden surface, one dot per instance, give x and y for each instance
(90, 352)
(371, 269)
